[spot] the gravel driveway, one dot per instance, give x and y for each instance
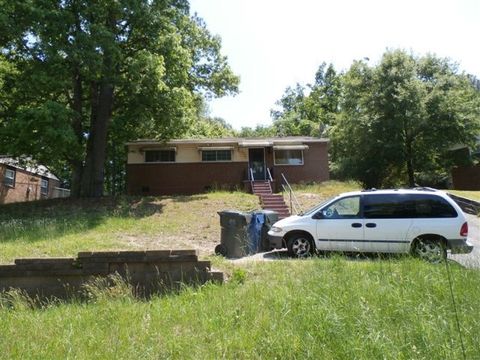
(471, 260)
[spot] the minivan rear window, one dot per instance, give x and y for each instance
(401, 206)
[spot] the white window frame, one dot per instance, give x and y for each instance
(11, 178)
(277, 164)
(161, 162)
(216, 150)
(44, 189)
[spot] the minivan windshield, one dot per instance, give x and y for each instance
(317, 207)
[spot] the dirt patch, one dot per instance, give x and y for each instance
(204, 244)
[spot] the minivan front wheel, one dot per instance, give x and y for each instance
(431, 250)
(299, 245)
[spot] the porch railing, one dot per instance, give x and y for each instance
(295, 206)
(269, 175)
(252, 179)
(270, 179)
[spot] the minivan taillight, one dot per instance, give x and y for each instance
(464, 230)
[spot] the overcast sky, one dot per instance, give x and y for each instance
(273, 44)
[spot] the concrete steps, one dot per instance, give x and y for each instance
(270, 201)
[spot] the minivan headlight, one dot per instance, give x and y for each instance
(276, 229)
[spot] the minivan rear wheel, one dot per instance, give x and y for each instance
(431, 250)
(299, 245)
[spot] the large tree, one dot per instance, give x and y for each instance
(309, 110)
(80, 77)
(399, 119)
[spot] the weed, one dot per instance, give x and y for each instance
(239, 276)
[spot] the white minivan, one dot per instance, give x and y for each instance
(423, 221)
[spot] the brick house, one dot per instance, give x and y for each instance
(195, 166)
(19, 182)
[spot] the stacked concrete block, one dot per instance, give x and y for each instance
(147, 272)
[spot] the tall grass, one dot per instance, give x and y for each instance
(320, 308)
(63, 227)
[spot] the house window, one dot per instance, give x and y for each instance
(44, 187)
(9, 178)
(160, 156)
(288, 157)
(216, 155)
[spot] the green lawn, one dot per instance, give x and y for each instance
(333, 308)
(320, 308)
(473, 195)
(62, 228)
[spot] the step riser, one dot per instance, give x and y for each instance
(270, 201)
(282, 210)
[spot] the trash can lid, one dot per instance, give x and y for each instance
(233, 213)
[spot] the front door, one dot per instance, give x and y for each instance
(256, 162)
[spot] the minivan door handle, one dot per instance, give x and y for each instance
(371, 225)
(356, 225)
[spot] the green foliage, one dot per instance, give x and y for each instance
(258, 131)
(399, 119)
(309, 111)
(210, 128)
(79, 79)
(391, 124)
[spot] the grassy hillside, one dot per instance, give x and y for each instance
(473, 195)
(320, 308)
(63, 227)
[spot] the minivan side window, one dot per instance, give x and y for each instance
(404, 206)
(427, 206)
(346, 208)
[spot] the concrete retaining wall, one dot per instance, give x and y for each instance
(146, 271)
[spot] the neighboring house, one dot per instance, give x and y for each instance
(467, 177)
(19, 182)
(195, 166)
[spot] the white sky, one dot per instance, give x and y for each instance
(273, 44)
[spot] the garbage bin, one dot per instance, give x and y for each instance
(266, 218)
(234, 241)
(255, 232)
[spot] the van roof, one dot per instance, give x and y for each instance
(418, 190)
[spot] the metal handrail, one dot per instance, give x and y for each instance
(270, 179)
(269, 175)
(251, 178)
(294, 204)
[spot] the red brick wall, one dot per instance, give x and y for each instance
(314, 168)
(194, 178)
(27, 187)
(466, 177)
(183, 178)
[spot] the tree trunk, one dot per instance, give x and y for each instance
(93, 175)
(77, 171)
(411, 176)
(102, 94)
(75, 161)
(410, 170)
